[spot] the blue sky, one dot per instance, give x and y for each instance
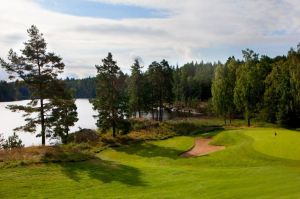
(90, 8)
(84, 31)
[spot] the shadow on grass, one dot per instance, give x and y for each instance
(190, 128)
(104, 171)
(149, 150)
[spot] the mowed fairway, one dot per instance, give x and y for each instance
(255, 164)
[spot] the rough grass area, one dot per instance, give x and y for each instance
(249, 167)
(44, 154)
(145, 130)
(85, 143)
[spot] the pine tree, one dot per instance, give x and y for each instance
(161, 77)
(38, 69)
(64, 112)
(136, 86)
(110, 101)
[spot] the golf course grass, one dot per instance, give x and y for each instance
(255, 164)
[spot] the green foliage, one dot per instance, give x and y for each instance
(136, 90)
(223, 88)
(64, 112)
(111, 100)
(193, 81)
(264, 88)
(83, 88)
(2, 140)
(12, 142)
(7, 91)
(247, 90)
(282, 93)
(160, 84)
(84, 136)
(143, 124)
(38, 70)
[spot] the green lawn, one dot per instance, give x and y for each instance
(255, 164)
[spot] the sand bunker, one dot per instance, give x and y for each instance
(202, 147)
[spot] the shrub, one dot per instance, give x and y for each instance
(12, 142)
(84, 136)
(2, 141)
(139, 124)
(124, 126)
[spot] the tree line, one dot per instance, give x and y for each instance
(191, 84)
(116, 96)
(13, 91)
(259, 87)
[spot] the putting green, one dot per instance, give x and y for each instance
(280, 143)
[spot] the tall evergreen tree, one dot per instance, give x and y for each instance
(154, 75)
(109, 102)
(160, 76)
(136, 86)
(64, 112)
(38, 69)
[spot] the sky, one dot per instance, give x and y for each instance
(82, 32)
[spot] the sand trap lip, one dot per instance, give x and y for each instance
(202, 147)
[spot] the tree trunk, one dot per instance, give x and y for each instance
(43, 122)
(42, 111)
(160, 111)
(66, 137)
(114, 129)
(225, 122)
(248, 121)
(152, 112)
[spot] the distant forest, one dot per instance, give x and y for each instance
(13, 91)
(192, 83)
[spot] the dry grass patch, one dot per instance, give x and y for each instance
(43, 154)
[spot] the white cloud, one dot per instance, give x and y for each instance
(192, 25)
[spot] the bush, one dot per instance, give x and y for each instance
(139, 124)
(12, 142)
(2, 141)
(84, 136)
(124, 126)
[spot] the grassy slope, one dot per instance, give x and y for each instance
(154, 170)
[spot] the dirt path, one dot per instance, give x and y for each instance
(202, 147)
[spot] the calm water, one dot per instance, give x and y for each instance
(10, 120)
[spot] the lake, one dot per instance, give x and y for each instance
(10, 120)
